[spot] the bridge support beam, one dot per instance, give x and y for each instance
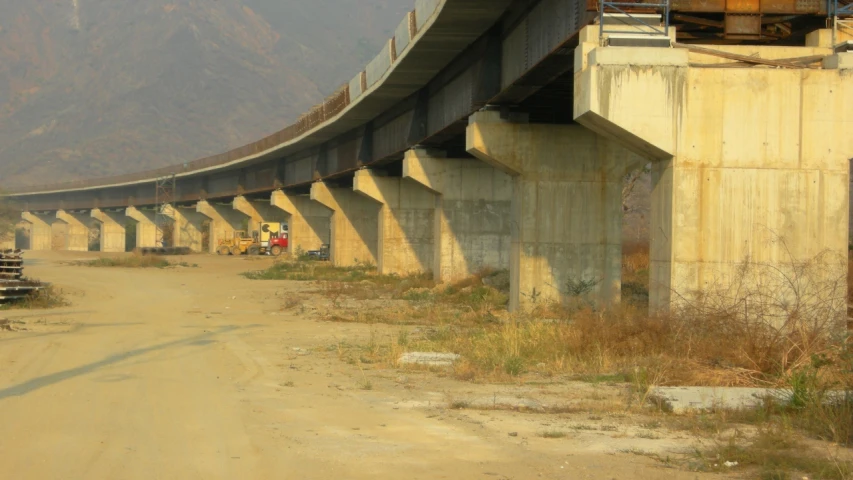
(146, 229)
(258, 211)
(740, 176)
(41, 230)
(224, 220)
(354, 225)
(471, 213)
(566, 215)
(112, 230)
(187, 231)
(405, 222)
(307, 221)
(76, 237)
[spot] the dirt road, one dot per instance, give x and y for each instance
(195, 373)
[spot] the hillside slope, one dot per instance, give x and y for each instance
(100, 87)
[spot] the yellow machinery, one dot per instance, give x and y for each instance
(239, 243)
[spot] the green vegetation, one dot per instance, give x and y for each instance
(134, 261)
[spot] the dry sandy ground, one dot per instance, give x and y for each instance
(196, 373)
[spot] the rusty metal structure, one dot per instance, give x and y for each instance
(446, 60)
(164, 198)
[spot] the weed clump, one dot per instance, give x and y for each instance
(133, 261)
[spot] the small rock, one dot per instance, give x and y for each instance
(513, 434)
(429, 358)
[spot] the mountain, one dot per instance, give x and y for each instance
(101, 87)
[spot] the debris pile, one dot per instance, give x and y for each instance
(13, 284)
(164, 250)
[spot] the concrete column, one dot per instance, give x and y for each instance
(146, 228)
(354, 225)
(566, 209)
(77, 230)
(308, 222)
(406, 221)
(112, 230)
(187, 230)
(750, 164)
(472, 213)
(41, 230)
(258, 211)
(224, 220)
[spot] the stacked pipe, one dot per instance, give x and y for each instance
(13, 284)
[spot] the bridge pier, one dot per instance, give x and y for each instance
(224, 220)
(41, 230)
(257, 211)
(307, 221)
(566, 208)
(353, 227)
(76, 238)
(187, 230)
(146, 228)
(750, 164)
(405, 222)
(471, 213)
(112, 230)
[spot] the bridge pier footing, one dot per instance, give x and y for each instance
(566, 207)
(405, 222)
(353, 227)
(112, 230)
(77, 230)
(41, 230)
(750, 165)
(224, 220)
(471, 219)
(146, 228)
(188, 228)
(307, 221)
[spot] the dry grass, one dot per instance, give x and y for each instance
(133, 261)
(48, 297)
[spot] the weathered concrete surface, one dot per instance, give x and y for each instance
(146, 229)
(686, 399)
(77, 230)
(187, 228)
(258, 211)
(750, 163)
(406, 221)
(472, 212)
(428, 358)
(308, 222)
(112, 230)
(354, 225)
(224, 220)
(41, 230)
(566, 206)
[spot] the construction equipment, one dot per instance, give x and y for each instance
(270, 238)
(239, 243)
(273, 238)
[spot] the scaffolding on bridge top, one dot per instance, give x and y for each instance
(840, 17)
(620, 19)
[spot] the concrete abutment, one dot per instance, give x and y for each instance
(77, 230)
(750, 164)
(224, 221)
(146, 228)
(405, 222)
(41, 230)
(354, 224)
(112, 230)
(566, 209)
(471, 212)
(308, 221)
(188, 228)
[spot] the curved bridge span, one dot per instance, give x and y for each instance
(495, 134)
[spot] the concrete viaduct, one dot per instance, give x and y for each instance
(496, 133)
